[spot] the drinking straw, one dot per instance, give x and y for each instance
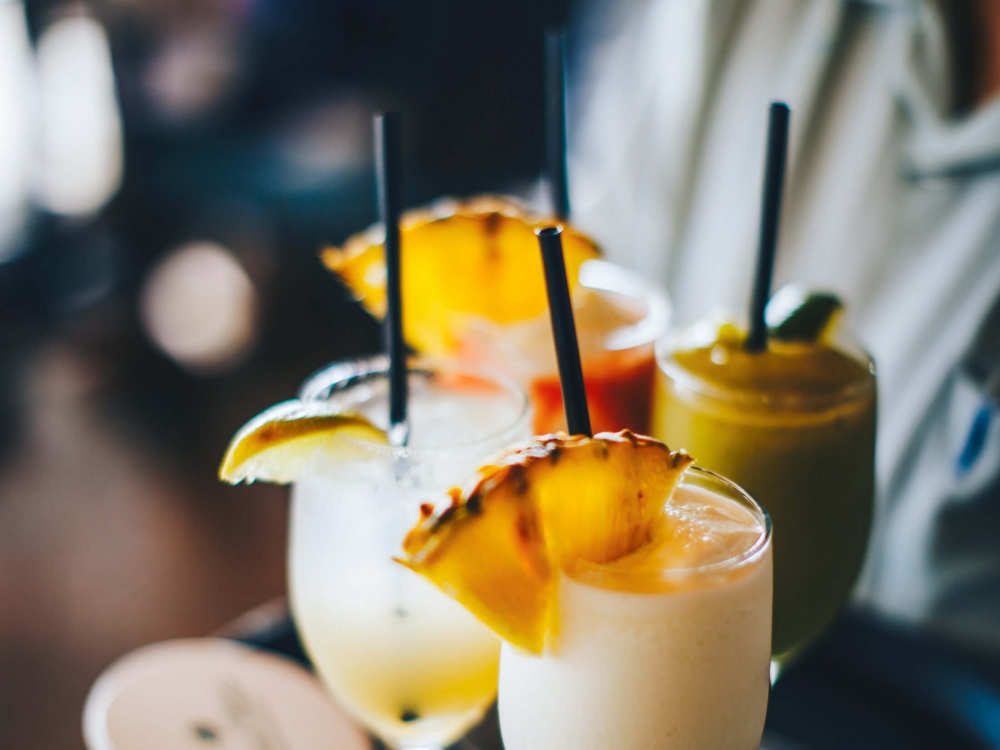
(389, 179)
(774, 183)
(564, 332)
(555, 122)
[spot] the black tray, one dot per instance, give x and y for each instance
(867, 685)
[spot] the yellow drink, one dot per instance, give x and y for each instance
(795, 426)
(412, 665)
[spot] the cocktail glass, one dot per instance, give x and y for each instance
(671, 658)
(619, 317)
(409, 663)
(799, 433)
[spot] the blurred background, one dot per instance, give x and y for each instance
(169, 170)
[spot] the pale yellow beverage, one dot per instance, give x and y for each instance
(666, 648)
(409, 663)
(406, 661)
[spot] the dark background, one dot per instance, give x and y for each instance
(246, 124)
(246, 142)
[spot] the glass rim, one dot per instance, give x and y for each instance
(858, 391)
(339, 376)
(748, 557)
(604, 276)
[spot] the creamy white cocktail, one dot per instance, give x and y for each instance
(667, 648)
(407, 661)
(633, 592)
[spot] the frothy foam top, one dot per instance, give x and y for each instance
(784, 369)
(698, 528)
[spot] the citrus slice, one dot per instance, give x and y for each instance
(794, 314)
(497, 547)
(460, 260)
(276, 445)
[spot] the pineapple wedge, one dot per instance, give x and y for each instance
(460, 260)
(498, 546)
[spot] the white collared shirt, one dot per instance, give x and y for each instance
(890, 203)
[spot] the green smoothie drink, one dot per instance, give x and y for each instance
(795, 426)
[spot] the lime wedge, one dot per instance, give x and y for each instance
(794, 314)
(276, 445)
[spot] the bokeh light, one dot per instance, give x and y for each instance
(15, 124)
(81, 134)
(199, 307)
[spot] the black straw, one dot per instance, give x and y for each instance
(555, 123)
(774, 183)
(389, 179)
(564, 332)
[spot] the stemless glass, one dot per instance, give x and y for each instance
(408, 662)
(808, 456)
(666, 659)
(619, 317)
